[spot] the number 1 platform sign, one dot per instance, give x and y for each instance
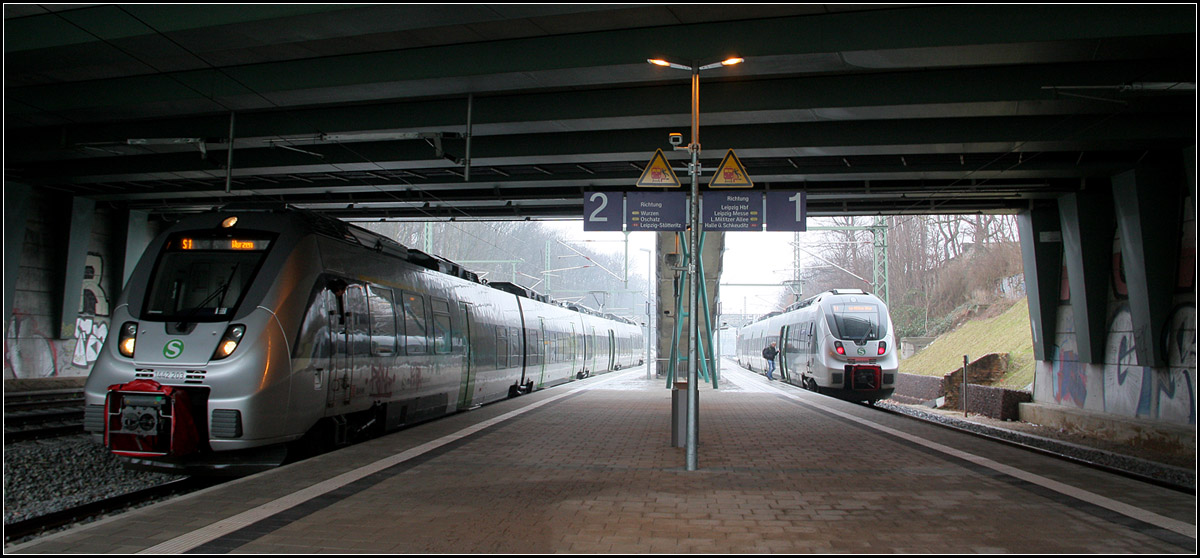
(787, 211)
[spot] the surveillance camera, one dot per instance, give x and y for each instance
(675, 138)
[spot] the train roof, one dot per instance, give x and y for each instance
(371, 240)
(812, 300)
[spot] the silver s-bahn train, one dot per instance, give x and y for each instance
(243, 335)
(839, 343)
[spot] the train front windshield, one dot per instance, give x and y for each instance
(856, 321)
(199, 278)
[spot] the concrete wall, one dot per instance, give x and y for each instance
(41, 338)
(1121, 385)
(910, 346)
(994, 402)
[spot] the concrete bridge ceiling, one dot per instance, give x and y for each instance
(343, 108)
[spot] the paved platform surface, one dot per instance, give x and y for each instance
(589, 468)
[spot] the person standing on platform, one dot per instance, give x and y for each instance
(769, 354)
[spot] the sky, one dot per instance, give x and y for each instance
(750, 258)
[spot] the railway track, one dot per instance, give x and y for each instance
(33, 526)
(1125, 466)
(30, 415)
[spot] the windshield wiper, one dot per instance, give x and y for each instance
(867, 335)
(221, 291)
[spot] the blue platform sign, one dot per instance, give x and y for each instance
(787, 210)
(602, 211)
(732, 211)
(656, 211)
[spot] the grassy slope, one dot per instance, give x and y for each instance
(1006, 333)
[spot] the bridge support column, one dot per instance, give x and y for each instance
(1041, 253)
(713, 247)
(1087, 234)
(137, 237)
(1149, 216)
(16, 208)
(82, 213)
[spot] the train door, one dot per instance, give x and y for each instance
(348, 338)
(532, 357)
(358, 341)
(466, 389)
(338, 359)
(783, 345)
(812, 346)
(544, 350)
(589, 350)
(612, 350)
(573, 343)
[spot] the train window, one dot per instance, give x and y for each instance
(383, 320)
(442, 335)
(856, 321)
(501, 347)
(199, 286)
(358, 320)
(203, 278)
(416, 328)
(514, 346)
(531, 347)
(312, 341)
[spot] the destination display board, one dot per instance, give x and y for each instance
(656, 211)
(731, 211)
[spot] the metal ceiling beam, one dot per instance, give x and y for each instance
(879, 39)
(947, 135)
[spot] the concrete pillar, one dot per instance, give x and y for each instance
(714, 246)
(137, 237)
(83, 212)
(1041, 252)
(1087, 233)
(1148, 204)
(16, 207)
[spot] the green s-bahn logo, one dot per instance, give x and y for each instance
(173, 348)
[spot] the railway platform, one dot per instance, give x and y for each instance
(589, 467)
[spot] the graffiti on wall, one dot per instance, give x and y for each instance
(89, 337)
(93, 300)
(28, 351)
(1126, 383)
(1177, 392)
(90, 330)
(1133, 390)
(1069, 375)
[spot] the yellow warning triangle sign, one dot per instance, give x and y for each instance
(731, 174)
(658, 173)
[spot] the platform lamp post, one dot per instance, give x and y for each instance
(693, 396)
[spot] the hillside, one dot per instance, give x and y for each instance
(996, 330)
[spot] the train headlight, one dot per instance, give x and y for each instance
(127, 339)
(229, 341)
(837, 346)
